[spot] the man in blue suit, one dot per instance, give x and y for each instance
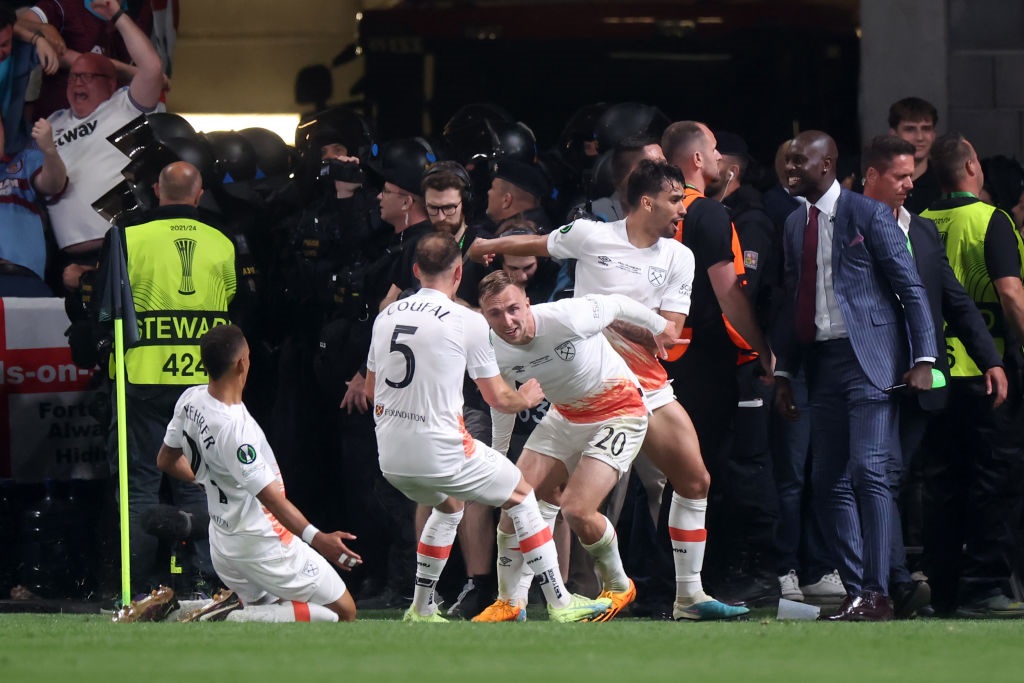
(856, 296)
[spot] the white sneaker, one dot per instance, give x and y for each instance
(829, 588)
(789, 586)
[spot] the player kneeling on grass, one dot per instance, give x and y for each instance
(254, 530)
(589, 436)
(422, 347)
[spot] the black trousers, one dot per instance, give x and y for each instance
(974, 487)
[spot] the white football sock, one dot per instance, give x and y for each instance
(607, 560)
(538, 549)
(689, 537)
(432, 554)
(285, 612)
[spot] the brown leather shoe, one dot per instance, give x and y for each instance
(868, 606)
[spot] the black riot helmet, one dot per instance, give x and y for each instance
(402, 162)
(273, 158)
(236, 158)
(627, 119)
(577, 143)
(198, 152)
(166, 125)
(514, 140)
(470, 131)
(343, 125)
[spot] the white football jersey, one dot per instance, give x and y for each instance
(660, 277)
(93, 164)
(231, 458)
(580, 373)
(421, 348)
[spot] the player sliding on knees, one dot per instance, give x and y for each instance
(590, 435)
(255, 531)
(421, 348)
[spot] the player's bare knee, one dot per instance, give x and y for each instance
(695, 485)
(344, 607)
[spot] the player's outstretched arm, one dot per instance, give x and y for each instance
(330, 545)
(172, 461)
(500, 396)
(483, 251)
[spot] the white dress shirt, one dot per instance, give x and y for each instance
(828, 320)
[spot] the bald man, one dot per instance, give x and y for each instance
(96, 109)
(858, 320)
(183, 276)
(179, 183)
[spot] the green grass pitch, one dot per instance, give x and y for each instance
(379, 647)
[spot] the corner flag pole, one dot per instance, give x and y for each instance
(117, 305)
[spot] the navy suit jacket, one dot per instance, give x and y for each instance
(949, 302)
(877, 288)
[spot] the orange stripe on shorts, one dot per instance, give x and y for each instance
(535, 541)
(301, 610)
(688, 535)
(438, 552)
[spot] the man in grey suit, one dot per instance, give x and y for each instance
(855, 296)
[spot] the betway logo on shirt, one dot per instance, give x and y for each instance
(66, 137)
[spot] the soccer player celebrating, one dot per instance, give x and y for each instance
(637, 257)
(421, 348)
(213, 440)
(588, 437)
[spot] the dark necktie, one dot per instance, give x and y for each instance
(805, 294)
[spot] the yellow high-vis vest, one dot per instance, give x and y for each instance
(962, 230)
(182, 275)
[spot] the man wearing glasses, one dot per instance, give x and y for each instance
(96, 109)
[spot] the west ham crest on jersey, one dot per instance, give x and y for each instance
(566, 350)
(656, 276)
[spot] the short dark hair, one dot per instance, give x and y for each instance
(882, 150)
(625, 151)
(445, 175)
(681, 135)
(912, 109)
(649, 178)
(517, 225)
(436, 252)
(219, 349)
(948, 156)
(495, 283)
(8, 17)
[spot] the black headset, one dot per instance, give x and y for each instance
(456, 169)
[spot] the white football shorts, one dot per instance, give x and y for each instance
(614, 441)
(488, 477)
(296, 573)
